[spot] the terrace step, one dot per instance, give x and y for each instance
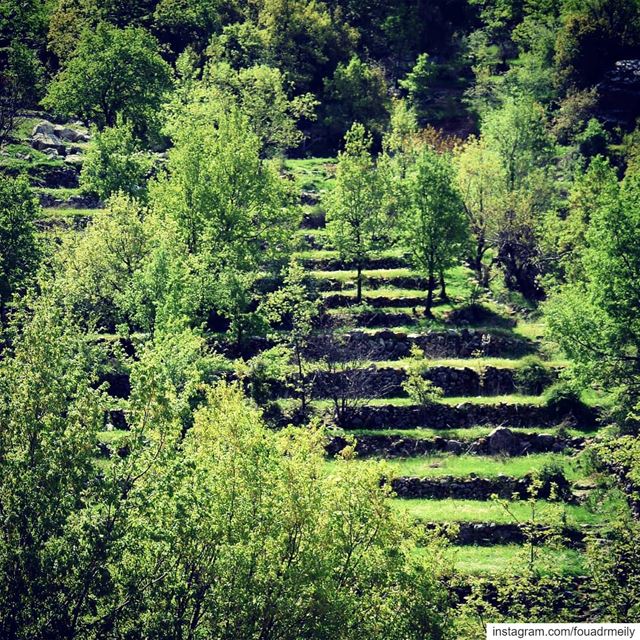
(338, 300)
(387, 382)
(322, 283)
(331, 263)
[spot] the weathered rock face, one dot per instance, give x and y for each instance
(619, 94)
(61, 132)
(475, 488)
(386, 446)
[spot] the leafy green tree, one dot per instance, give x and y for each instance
(238, 533)
(433, 225)
(354, 214)
(261, 95)
(68, 20)
(303, 40)
(417, 84)
(594, 317)
(96, 269)
(594, 34)
(20, 252)
(480, 179)
(517, 133)
(21, 81)
(115, 163)
(293, 307)
(230, 208)
(90, 87)
(357, 92)
(48, 480)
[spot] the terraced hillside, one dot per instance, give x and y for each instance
(496, 457)
(495, 460)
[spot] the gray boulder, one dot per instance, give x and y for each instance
(74, 159)
(43, 127)
(42, 141)
(502, 440)
(66, 133)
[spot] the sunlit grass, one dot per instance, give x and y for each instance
(484, 466)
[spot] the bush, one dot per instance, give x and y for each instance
(421, 390)
(563, 398)
(116, 163)
(533, 376)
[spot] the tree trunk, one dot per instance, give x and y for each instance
(443, 288)
(431, 285)
(359, 285)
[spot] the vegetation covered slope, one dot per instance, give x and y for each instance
(317, 319)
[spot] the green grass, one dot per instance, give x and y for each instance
(63, 193)
(470, 433)
(490, 511)
(512, 559)
(313, 174)
(371, 274)
(61, 213)
(484, 466)
(325, 254)
(36, 158)
(112, 436)
(382, 292)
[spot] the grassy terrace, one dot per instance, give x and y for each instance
(512, 558)
(484, 466)
(313, 174)
(450, 510)
(470, 433)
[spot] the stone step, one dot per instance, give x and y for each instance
(338, 300)
(387, 382)
(335, 263)
(329, 284)
(493, 533)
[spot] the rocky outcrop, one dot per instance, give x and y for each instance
(619, 94)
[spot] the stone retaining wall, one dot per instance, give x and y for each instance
(443, 416)
(392, 345)
(386, 382)
(501, 441)
(476, 488)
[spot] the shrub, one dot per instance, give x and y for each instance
(533, 376)
(421, 390)
(116, 163)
